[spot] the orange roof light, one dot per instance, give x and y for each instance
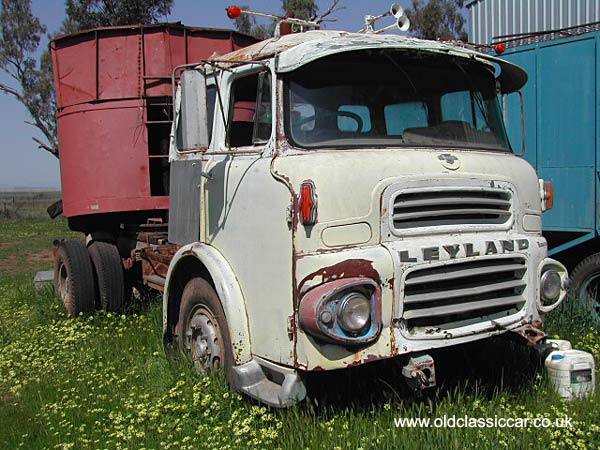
(233, 12)
(499, 48)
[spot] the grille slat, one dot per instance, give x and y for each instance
(464, 290)
(452, 201)
(461, 307)
(451, 206)
(453, 274)
(450, 212)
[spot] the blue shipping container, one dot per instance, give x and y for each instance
(562, 119)
(562, 126)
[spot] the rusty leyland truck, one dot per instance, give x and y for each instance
(340, 198)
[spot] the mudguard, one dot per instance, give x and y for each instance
(227, 288)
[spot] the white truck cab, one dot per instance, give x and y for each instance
(340, 198)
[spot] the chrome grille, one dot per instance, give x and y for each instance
(451, 207)
(462, 291)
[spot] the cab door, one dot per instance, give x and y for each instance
(246, 209)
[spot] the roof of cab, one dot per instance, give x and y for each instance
(295, 50)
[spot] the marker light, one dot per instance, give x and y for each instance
(308, 203)
(499, 48)
(233, 12)
(547, 194)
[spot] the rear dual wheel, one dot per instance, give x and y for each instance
(86, 278)
(110, 278)
(74, 278)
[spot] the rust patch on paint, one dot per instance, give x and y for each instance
(367, 359)
(350, 268)
(390, 283)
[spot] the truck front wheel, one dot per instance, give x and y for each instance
(202, 330)
(586, 285)
(74, 278)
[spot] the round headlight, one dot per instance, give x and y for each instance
(354, 312)
(551, 285)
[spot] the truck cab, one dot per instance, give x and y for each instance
(339, 198)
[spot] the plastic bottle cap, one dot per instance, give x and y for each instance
(557, 356)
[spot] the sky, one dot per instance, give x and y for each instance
(23, 164)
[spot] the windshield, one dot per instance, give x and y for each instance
(393, 99)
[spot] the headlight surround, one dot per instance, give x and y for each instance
(553, 285)
(346, 311)
(354, 312)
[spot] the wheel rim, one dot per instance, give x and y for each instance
(63, 283)
(203, 340)
(588, 295)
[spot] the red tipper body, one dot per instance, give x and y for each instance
(113, 93)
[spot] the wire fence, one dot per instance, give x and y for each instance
(17, 205)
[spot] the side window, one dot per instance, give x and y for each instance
(263, 116)
(250, 111)
(401, 116)
(211, 98)
(348, 115)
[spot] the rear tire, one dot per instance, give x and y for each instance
(202, 331)
(109, 273)
(74, 278)
(586, 285)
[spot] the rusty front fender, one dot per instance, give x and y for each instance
(201, 260)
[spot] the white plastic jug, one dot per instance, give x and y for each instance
(572, 373)
(560, 344)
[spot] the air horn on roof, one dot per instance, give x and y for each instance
(402, 23)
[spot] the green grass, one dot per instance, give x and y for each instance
(104, 382)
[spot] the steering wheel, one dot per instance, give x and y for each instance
(349, 114)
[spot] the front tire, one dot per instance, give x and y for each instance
(74, 278)
(202, 331)
(586, 285)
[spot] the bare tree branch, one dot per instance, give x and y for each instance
(11, 91)
(44, 146)
(333, 7)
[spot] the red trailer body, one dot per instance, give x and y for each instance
(114, 113)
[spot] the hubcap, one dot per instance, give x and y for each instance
(203, 339)
(588, 295)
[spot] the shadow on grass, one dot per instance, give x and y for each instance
(484, 368)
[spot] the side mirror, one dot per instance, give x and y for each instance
(505, 107)
(192, 125)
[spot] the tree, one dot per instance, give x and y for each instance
(20, 34)
(85, 14)
(247, 24)
(299, 9)
(437, 19)
(32, 80)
